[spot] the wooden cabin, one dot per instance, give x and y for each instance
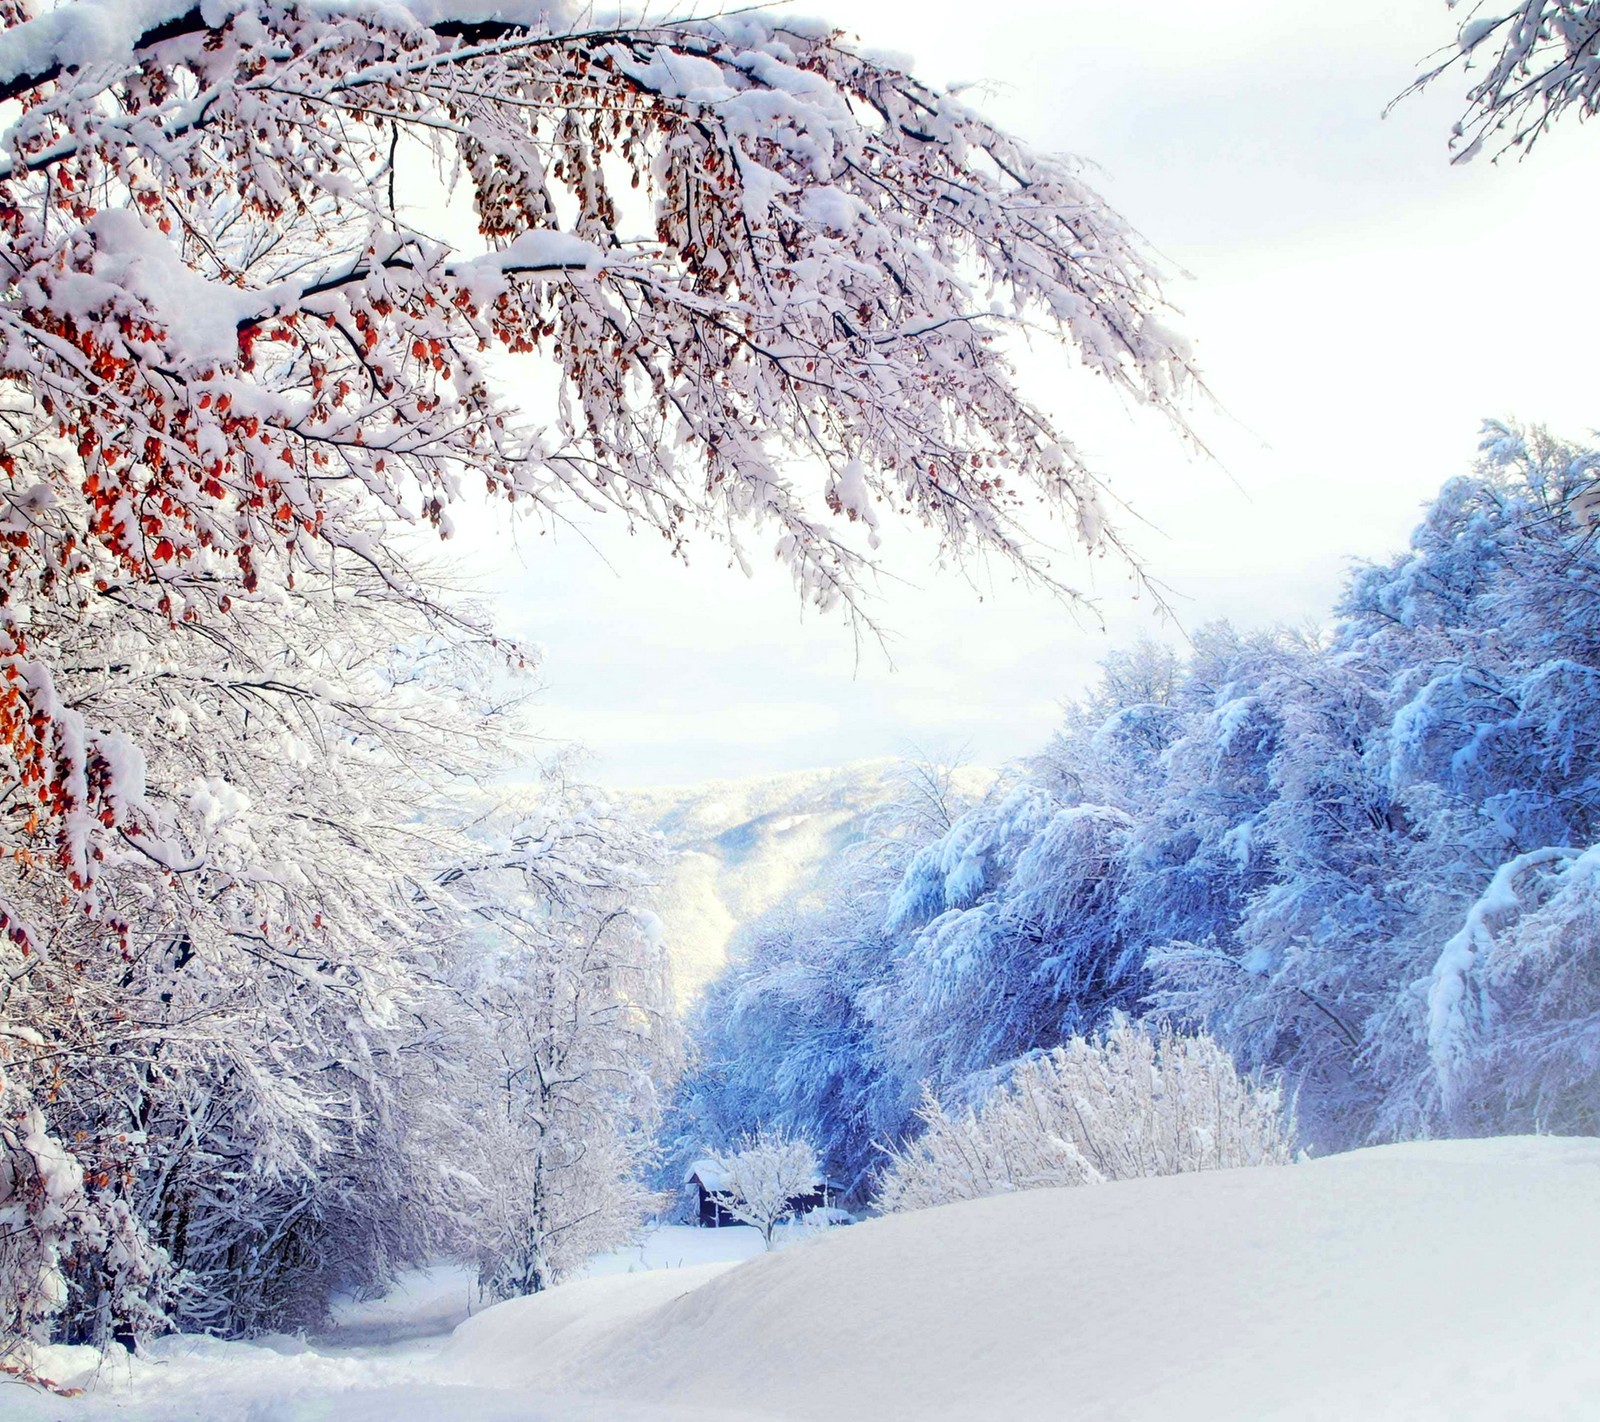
(705, 1181)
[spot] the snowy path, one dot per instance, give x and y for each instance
(378, 1361)
(1455, 1280)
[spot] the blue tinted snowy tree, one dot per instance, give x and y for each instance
(1365, 863)
(1443, 748)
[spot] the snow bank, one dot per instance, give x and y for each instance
(676, 1246)
(1454, 1280)
(564, 1339)
(422, 1302)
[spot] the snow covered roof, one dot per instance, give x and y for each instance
(715, 1178)
(709, 1174)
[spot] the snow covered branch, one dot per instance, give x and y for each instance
(744, 248)
(1534, 61)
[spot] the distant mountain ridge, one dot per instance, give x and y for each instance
(742, 846)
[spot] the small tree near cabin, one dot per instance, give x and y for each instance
(764, 1174)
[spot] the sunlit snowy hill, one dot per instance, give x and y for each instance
(741, 846)
(1453, 1280)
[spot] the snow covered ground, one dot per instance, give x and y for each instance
(683, 1246)
(423, 1303)
(430, 1303)
(1452, 1280)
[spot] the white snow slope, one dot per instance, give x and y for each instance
(1454, 1280)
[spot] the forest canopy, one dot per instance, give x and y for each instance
(1363, 862)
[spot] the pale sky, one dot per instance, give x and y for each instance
(1358, 305)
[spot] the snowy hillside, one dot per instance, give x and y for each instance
(1454, 1280)
(1457, 1280)
(743, 845)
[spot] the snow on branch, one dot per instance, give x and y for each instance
(1533, 62)
(1459, 1008)
(772, 275)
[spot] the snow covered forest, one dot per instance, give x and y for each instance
(1362, 861)
(286, 1003)
(320, 967)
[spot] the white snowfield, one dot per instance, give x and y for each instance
(1454, 1280)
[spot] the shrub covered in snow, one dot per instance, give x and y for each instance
(1129, 1103)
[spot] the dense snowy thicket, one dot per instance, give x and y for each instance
(1365, 864)
(1123, 1104)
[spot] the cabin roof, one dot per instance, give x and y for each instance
(715, 1179)
(709, 1174)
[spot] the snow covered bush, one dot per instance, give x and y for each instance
(1133, 1101)
(43, 1212)
(761, 1177)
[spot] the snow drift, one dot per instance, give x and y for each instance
(1456, 1279)
(1452, 1280)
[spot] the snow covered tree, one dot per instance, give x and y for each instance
(213, 1044)
(1127, 1103)
(761, 1177)
(1494, 750)
(229, 335)
(1513, 1002)
(1008, 936)
(789, 1036)
(1430, 779)
(1317, 894)
(566, 1040)
(1535, 60)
